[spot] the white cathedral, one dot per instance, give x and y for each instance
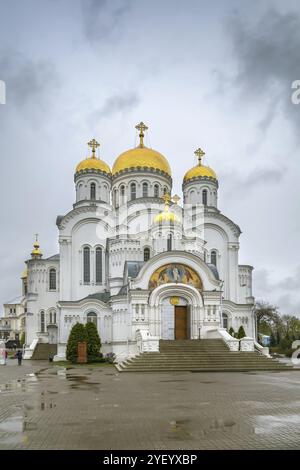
(137, 263)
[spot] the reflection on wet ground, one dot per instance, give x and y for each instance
(89, 408)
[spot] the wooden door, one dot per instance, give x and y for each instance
(181, 322)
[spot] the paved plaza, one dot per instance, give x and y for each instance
(45, 406)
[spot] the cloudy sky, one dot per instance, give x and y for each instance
(212, 74)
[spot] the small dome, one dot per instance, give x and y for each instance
(93, 163)
(166, 216)
(25, 274)
(199, 171)
(141, 157)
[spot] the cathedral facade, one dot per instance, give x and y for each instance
(137, 263)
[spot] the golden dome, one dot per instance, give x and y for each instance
(92, 162)
(141, 157)
(166, 216)
(200, 170)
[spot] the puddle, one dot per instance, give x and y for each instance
(267, 424)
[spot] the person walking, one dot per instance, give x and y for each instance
(19, 357)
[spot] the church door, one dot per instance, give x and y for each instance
(181, 322)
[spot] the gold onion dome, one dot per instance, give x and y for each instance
(24, 274)
(92, 162)
(141, 157)
(200, 171)
(36, 252)
(167, 216)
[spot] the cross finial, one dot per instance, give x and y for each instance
(199, 153)
(141, 127)
(36, 237)
(167, 198)
(93, 144)
(176, 199)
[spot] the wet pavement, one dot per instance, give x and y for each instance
(45, 406)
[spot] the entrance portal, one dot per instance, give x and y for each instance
(175, 319)
(181, 322)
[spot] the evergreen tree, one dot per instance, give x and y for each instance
(241, 332)
(77, 335)
(231, 331)
(93, 339)
(22, 340)
(272, 339)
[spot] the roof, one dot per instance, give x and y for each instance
(132, 268)
(102, 296)
(214, 270)
(53, 258)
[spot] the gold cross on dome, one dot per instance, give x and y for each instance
(141, 127)
(176, 199)
(167, 198)
(93, 144)
(199, 153)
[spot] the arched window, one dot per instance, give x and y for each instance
(145, 189)
(98, 265)
(42, 321)
(169, 242)
(146, 254)
(225, 320)
(93, 191)
(86, 265)
(133, 191)
(213, 257)
(92, 317)
(156, 190)
(52, 317)
(52, 279)
(165, 190)
(204, 197)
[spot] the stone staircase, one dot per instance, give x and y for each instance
(205, 355)
(43, 351)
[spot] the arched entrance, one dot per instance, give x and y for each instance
(176, 312)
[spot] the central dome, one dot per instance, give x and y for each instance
(141, 158)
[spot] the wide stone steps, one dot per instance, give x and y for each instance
(199, 356)
(43, 351)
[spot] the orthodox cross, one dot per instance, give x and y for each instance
(176, 199)
(141, 127)
(167, 198)
(93, 144)
(199, 153)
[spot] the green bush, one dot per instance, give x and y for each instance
(22, 340)
(77, 335)
(231, 331)
(241, 333)
(93, 340)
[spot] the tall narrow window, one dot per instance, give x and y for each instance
(213, 258)
(145, 189)
(133, 191)
(156, 190)
(225, 320)
(169, 242)
(98, 265)
(204, 197)
(86, 265)
(146, 254)
(52, 279)
(93, 191)
(165, 190)
(122, 192)
(42, 317)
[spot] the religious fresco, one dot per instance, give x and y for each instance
(175, 273)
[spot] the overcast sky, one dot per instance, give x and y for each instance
(213, 74)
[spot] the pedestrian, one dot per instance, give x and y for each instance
(19, 357)
(5, 356)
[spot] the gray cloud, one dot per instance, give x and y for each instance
(267, 55)
(120, 103)
(283, 293)
(101, 18)
(29, 83)
(258, 177)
